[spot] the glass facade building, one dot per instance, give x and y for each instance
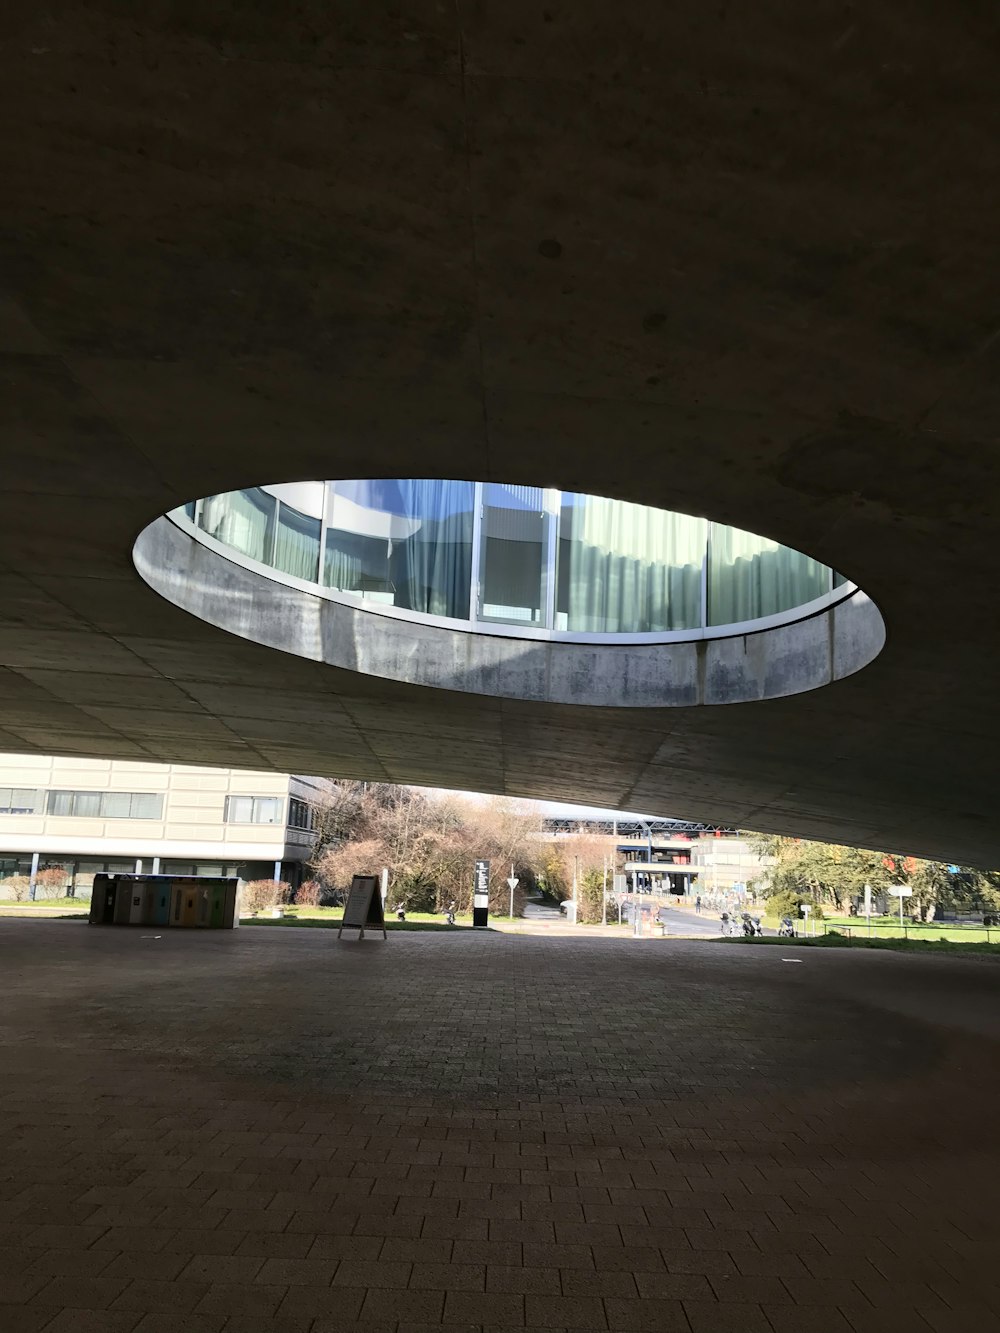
(515, 559)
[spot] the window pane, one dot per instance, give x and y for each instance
(116, 805)
(87, 804)
(627, 569)
(243, 520)
(750, 576)
(266, 810)
(297, 545)
(513, 588)
(24, 800)
(60, 802)
(239, 809)
(146, 805)
(404, 543)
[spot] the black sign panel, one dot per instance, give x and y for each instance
(481, 894)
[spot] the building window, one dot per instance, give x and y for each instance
(18, 800)
(300, 814)
(254, 809)
(106, 804)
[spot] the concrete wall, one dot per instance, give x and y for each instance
(769, 664)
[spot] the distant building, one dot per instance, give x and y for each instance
(674, 856)
(658, 864)
(725, 864)
(92, 815)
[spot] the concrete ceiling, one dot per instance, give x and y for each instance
(733, 260)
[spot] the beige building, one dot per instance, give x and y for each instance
(726, 865)
(90, 815)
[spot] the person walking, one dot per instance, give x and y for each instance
(697, 904)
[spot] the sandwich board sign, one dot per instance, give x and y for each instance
(364, 907)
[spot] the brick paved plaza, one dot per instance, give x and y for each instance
(271, 1132)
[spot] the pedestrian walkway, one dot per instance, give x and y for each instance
(269, 1131)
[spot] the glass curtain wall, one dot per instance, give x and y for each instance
(243, 520)
(298, 528)
(533, 558)
(750, 577)
(405, 543)
(514, 554)
(627, 569)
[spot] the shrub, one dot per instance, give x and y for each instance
(785, 903)
(309, 894)
(52, 882)
(16, 887)
(261, 893)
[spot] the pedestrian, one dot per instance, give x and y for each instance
(697, 904)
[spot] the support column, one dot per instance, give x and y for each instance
(277, 871)
(156, 865)
(138, 865)
(34, 875)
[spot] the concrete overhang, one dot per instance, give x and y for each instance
(734, 263)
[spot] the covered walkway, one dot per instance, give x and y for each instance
(269, 1131)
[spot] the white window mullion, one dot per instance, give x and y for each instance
(552, 500)
(477, 552)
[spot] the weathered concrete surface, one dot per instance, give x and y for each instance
(766, 665)
(737, 263)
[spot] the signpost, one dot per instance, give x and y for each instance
(512, 883)
(481, 895)
(901, 891)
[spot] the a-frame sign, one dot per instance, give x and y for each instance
(364, 907)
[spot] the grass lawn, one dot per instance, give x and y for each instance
(45, 907)
(888, 928)
(971, 941)
(331, 917)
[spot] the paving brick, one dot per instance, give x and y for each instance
(711, 1317)
(467, 1307)
(674, 1286)
(517, 1280)
(26, 1318)
(276, 1324)
(646, 1316)
(314, 1302)
(394, 1306)
(507, 1252)
(93, 1321)
(275, 1244)
(349, 1247)
(233, 1298)
(312, 1272)
(450, 1276)
(597, 1282)
(362, 1273)
(814, 1318)
(216, 1268)
(82, 1293)
(147, 1294)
